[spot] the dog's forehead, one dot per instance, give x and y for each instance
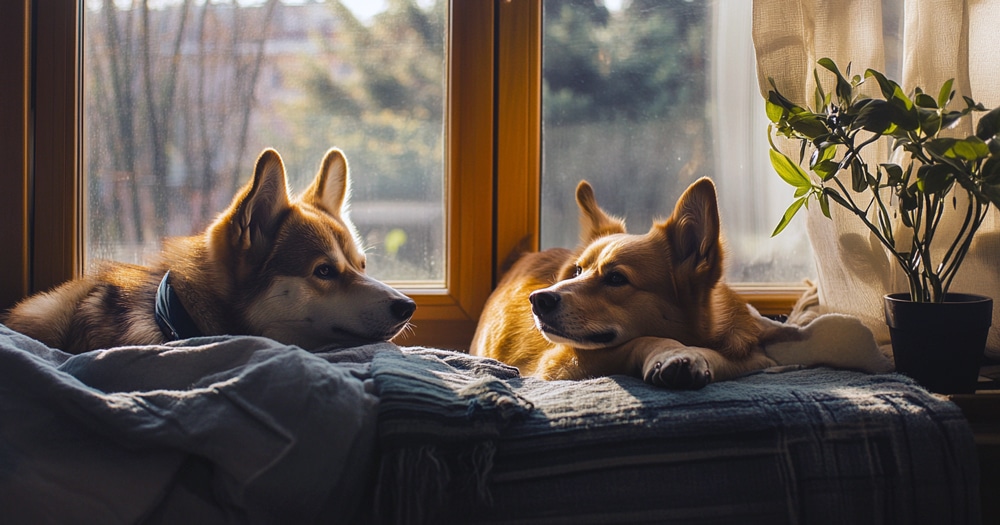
(616, 248)
(602, 247)
(311, 233)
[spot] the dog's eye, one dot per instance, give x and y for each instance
(577, 270)
(615, 279)
(325, 271)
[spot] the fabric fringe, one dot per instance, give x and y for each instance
(416, 483)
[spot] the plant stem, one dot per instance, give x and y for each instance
(980, 215)
(885, 241)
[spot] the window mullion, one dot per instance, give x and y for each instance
(518, 161)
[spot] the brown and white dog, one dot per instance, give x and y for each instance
(273, 266)
(651, 306)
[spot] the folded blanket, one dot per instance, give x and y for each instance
(266, 432)
(463, 439)
(244, 429)
(440, 413)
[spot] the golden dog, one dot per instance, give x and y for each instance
(651, 306)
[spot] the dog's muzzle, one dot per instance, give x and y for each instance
(543, 302)
(402, 309)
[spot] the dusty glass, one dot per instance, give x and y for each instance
(641, 98)
(180, 96)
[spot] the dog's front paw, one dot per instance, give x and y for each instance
(678, 370)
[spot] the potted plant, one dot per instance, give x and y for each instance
(902, 204)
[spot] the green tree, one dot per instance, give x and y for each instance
(575, 69)
(385, 106)
(634, 65)
(624, 100)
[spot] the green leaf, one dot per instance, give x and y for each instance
(890, 90)
(989, 124)
(925, 101)
(789, 214)
(903, 113)
(972, 148)
(930, 121)
(950, 118)
(872, 115)
(946, 94)
(951, 150)
(824, 204)
(939, 147)
(972, 104)
(845, 92)
(887, 86)
(822, 153)
(992, 192)
(858, 176)
(827, 169)
(894, 173)
(809, 125)
(774, 111)
(835, 195)
(774, 97)
(990, 173)
(821, 97)
(789, 171)
(934, 179)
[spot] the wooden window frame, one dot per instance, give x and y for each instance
(493, 164)
(15, 92)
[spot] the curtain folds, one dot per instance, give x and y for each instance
(941, 39)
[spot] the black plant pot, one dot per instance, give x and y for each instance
(941, 345)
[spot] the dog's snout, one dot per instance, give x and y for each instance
(543, 302)
(403, 309)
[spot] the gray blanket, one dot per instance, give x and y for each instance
(245, 430)
(782, 446)
(238, 430)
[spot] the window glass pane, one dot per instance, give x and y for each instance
(181, 96)
(643, 97)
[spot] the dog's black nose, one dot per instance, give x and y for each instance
(403, 309)
(543, 302)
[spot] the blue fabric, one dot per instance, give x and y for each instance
(246, 430)
(281, 435)
(800, 446)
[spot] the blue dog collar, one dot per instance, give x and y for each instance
(173, 319)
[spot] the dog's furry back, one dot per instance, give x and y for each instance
(270, 265)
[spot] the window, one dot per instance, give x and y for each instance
(49, 198)
(491, 196)
(642, 98)
(179, 98)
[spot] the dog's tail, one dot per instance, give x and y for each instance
(525, 245)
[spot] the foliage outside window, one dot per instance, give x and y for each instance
(180, 97)
(642, 98)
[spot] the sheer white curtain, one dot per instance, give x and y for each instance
(942, 39)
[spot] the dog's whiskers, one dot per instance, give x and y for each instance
(407, 330)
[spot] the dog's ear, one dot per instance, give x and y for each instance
(594, 222)
(257, 210)
(693, 231)
(331, 188)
